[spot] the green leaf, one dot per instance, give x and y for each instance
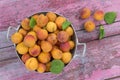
(32, 22)
(65, 25)
(102, 32)
(56, 66)
(110, 17)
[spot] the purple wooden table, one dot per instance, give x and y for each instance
(102, 60)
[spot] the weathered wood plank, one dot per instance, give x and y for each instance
(7, 53)
(105, 74)
(12, 13)
(110, 30)
(4, 42)
(102, 55)
(11, 66)
(83, 36)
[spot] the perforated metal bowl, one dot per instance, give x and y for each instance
(74, 38)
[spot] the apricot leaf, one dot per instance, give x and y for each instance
(32, 22)
(102, 32)
(110, 17)
(56, 66)
(65, 25)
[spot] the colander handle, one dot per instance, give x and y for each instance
(8, 31)
(84, 50)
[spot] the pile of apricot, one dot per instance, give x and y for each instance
(44, 42)
(89, 25)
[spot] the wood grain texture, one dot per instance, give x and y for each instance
(102, 56)
(11, 66)
(110, 30)
(12, 12)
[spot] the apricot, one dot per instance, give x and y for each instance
(55, 47)
(35, 16)
(21, 48)
(42, 20)
(25, 57)
(44, 57)
(59, 21)
(31, 64)
(48, 65)
(62, 36)
(41, 68)
(22, 31)
(52, 16)
(57, 31)
(33, 34)
(52, 38)
(25, 24)
(66, 57)
(29, 41)
(65, 46)
(34, 51)
(99, 15)
(16, 38)
(72, 44)
(36, 28)
(51, 27)
(85, 13)
(46, 46)
(42, 34)
(70, 31)
(56, 53)
(89, 26)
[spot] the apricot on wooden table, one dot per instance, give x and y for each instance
(85, 13)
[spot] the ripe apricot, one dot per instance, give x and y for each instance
(22, 31)
(59, 21)
(85, 13)
(51, 27)
(42, 34)
(99, 15)
(70, 31)
(65, 46)
(35, 16)
(29, 41)
(34, 51)
(25, 24)
(33, 34)
(41, 68)
(62, 36)
(72, 44)
(52, 16)
(89, 26)
(56, 53)
(42, 20)
(46, 46)
(44, 57)
(16, 38)
(52, 38)
(21, 48)
(36, 28)
(31, 64)
(25, 57)
(66, 57)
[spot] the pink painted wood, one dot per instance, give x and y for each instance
(102, 56)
